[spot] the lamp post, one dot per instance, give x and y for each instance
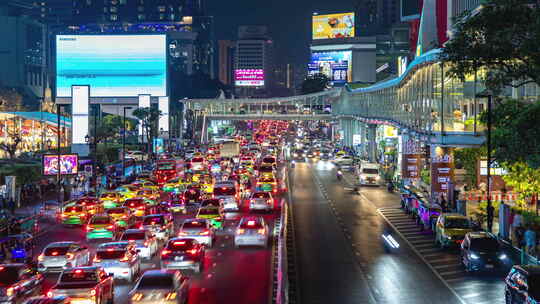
(489, 95)
(124, 143)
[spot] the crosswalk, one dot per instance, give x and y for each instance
(445, 263)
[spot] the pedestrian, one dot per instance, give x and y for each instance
(516, 223)
(490, 212)
(530, 240)
(442, 202)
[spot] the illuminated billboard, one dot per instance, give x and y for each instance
(112, 65)
(333, 26)
(336, 65)
(68, 164)
(249, 77)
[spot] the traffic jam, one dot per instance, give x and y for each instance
(161, 234)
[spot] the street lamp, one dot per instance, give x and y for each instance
(489, 95)
(124, 144)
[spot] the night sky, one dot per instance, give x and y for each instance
(288, 21)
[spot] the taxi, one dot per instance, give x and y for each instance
(127, 191)
(111, 199)
(267, 184)
(198, 176)
(101, 226)
(148, 194)
(213, 214)
(451, 228)
(93, 205)
(121, 216)
(341, 153)
(137, 206)
(176, 204)
(145, 184)
(176, 185)
(74, 214)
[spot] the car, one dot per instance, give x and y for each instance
(137, 155)
(160, 286)
(198, 229)
(89, 284)
(161, 225)
(121, 216)
(58, 256)
(522, 284)
(213, 214)
(267, 184)
(227, 193)
(148, 194)
(145, 184)
(121, 259)
(176, 204)
(145, 242)
(482, 251)
(47, 300)
(127, 191)
(450, 229)
(192, 196)
(111, 199)
(18, 282)
(101, 226)
(261, 201)
(137, 206)
(198, 163)
(368, 174)
(92, 204)
(183, 253)
(251, 231)
(73, 214)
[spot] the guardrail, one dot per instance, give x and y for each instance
(281, 277)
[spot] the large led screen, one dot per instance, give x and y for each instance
(112, 65)
(333, 26)
(336, 65)
(249, 77)
(68, 164)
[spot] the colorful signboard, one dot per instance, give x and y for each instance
(333, 26)
(68, 164)
(249, 77)
(336, 65)
(410, 163)
(442, 171)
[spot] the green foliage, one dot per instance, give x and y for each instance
(149, 118)
(315, 83)
(502, 38)
(25, 173)
(425, 175)
(524, 180)
(467, 158)
(516, 132)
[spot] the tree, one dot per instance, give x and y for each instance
(149, 118)
(516, 132)
(14, 139)
(524, 180)
(10, 100)
(501, 38)
(315, 83)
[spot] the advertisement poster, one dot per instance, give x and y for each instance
(442, 170)
(159, 145)
(68, 164)
(112, 65)
(11, 182)
(410, 163)
(249, 77)
(337, 66)
(333, 26)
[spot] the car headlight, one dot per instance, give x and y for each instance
(448, 237)
(503, 256)
(474, 256)
(377, 178)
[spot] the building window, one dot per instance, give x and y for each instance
(114, 17)
(140, 8)
(161, 8)
(122, 1)
(140, 16)
(88, 2)
(105, 9)
(114, 9)
(114, 2)
(161, 16)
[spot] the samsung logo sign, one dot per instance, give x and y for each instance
(68, 39)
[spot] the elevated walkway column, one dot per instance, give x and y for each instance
(372, 142)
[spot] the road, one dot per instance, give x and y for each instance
(230, 275)
(341, 258)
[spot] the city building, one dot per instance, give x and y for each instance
(254, 62)
(227, 49)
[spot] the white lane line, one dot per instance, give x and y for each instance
(433, 254)
(416, 237)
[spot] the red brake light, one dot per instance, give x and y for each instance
(165, 252)
(251, 223)
(93, 292)
(78, 271)
(192, 251)
(54, 253)
(49, 294)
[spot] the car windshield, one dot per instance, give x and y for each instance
(153, 220)
(108, 195)
(267, 180)
(101, 220)
(193, 224)
(208, 211)
(456, 223)
(269, 160)
(78, 276)
(370, 171)
(224, 191)
(133, 236)
(8, 276)
(484, 245)
(266, 169)
(261, 195)
(110, 254)
(210, 202)
(56, 251)
(160, 281)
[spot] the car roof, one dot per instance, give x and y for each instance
(134, 231)
(480, 235)
(121, 244)
(61, 244)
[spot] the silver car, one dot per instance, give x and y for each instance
(251, 231)
(198, 229)
(144, 241)
(261, 201)
(184, 254)
(160, 286)
(58, 256)
(121, 259)
(160, 225)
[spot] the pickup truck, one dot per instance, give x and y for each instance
(89, 284)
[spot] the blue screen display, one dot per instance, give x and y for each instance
(112, 65)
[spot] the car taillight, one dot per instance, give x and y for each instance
(137, 297)
(41, 258)
(240, 231)
(93, 292)
(192, 251)
(49, 294)
(9, 291)
(89, 228)
(96, 259)
(124, 259)
(70, 256)
(110, 227)
(145, 243)
(170, 296)
(165, 252)
(206, 232)
(261, 231)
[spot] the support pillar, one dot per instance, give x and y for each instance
(372, 142)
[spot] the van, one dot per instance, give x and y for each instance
(368, 174)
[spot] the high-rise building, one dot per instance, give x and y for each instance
(227, 49)
(254, 64)
(388, 14)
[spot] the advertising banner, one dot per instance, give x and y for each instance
(112, 65)
(11, 183)
(68, 164)
(410, 163)
(159, 145)
(336, 65)
(357, 139)
(442, 171)
(249, 77)
(333, 26)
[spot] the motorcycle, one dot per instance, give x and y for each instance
(339, 175)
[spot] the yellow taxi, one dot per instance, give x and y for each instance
(121, 216)
(74, 214)
(111, 199)
(92, 204)
(176, 185)
(267, 184)
(145, 184)
(213, 214)
(127, 191)
(150, 194)
(451, 228)
(341, 153)
(198, 176)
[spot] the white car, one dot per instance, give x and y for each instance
(58, 256)
(261, 201)
(121, 259)
(145, 242)
(345, 160)
(251, 231)
(198, 229)
(137, 155)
